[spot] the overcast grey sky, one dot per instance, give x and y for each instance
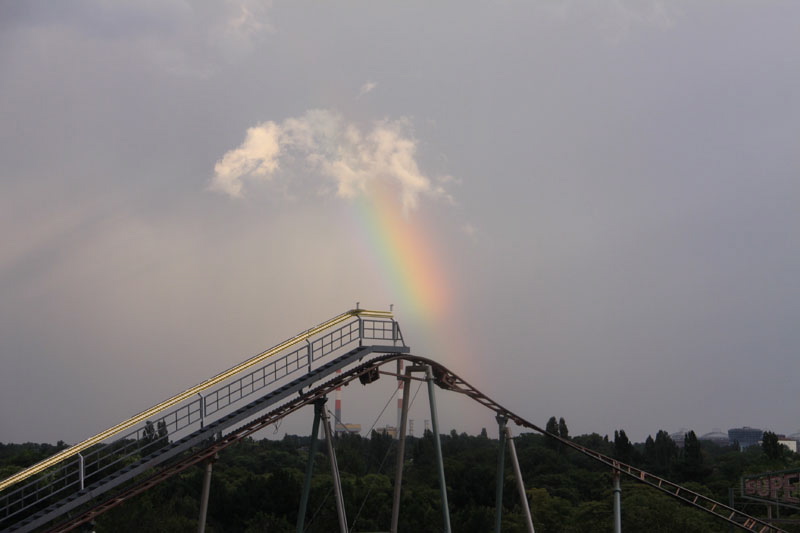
(610, 189)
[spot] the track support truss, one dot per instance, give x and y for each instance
(447, 380)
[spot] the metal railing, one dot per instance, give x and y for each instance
(78, 467)
(448, 381)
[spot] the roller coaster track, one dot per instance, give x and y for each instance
(447, 380)
(199, 422)
(156, 409)
(77, 475)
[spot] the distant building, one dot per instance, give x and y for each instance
(717, 437)
(679, 436)
(387, 430)
(745, 436)
(788, 442)
(348, 428)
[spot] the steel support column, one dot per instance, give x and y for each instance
(438, 445)
(82, 470)
(500, 477)
(202, 409)
(617, 503)
(319, 405)
(401, 449)
(201, 522)
(520, 485)
(337, 482)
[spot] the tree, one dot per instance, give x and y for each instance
(691, 466)
(691, 450)
(650, 451)
(257, 484)
(552, 428)
(563, 432)
(622, 446)
(771, 445)
(666, 451)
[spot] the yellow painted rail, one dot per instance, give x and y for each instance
(144, 415)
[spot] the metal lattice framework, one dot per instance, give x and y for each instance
(452, 382)
(447, 380)
(51, 491)
(62, 482)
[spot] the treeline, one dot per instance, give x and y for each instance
(256, 485)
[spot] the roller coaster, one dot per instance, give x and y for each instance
(85, 480)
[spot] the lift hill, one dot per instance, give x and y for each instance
(197, 423)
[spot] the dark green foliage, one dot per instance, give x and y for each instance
(647, 509)
(665, 452)
(15, 457)
(691, 465)
(772, 448)
(623, 449)
(256, 485)
(563, 432)
(691, 450)
(552, 427)
(559, 429)
(650, 451)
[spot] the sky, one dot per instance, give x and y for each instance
(587, 209)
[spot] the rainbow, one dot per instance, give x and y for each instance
(415, 274)
(405, 255)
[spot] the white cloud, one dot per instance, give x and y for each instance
(246, 20)
(366, 88)
(333, 149)
(256, 157)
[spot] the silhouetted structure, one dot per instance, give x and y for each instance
(745, 436)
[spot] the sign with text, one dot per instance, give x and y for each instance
(782, 487)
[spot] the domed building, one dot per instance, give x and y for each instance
(717, 437)
(679, 436)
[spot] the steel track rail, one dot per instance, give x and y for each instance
(447, 380)
(217, 446)
(194, 441)
(188, 393)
